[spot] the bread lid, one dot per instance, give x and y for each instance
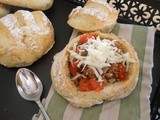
(95, 15)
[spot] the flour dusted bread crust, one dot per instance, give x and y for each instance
(65, 86)
(32, 4)
(96, 15)
(25, 37)
(4, 10)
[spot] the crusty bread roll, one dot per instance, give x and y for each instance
(96, 15)
(25, 37)
(32, 4)
(64, 83)
(4, 10)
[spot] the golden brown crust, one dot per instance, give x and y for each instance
(32, 4)
(4, 10)
(25, 37)
(65, 87)
(94, 16)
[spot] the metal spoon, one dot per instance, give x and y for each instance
(30, 87)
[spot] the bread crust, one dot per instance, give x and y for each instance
(32, 4)
(4, 10)
(25, 37)
(94, 16)
(65, 87)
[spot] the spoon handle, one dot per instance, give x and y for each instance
(43, 110)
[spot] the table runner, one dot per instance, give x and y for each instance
(134, 107)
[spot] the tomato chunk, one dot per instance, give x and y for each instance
(94, 85)
(83, 85)
(122, 73)
(73, 67)
(84, 38)
(89, 85)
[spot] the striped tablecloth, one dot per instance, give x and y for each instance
(134, 107)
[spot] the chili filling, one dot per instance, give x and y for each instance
(92, 68)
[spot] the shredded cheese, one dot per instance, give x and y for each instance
(100, 54)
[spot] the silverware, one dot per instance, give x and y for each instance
(30, 87)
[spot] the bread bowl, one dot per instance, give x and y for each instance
(83, 88)
(96, 15)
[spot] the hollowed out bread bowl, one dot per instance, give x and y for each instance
(64, 84)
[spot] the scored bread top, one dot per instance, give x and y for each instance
(25, 37)
(25, 21)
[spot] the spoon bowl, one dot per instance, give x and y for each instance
(28, 84)
(30, 87)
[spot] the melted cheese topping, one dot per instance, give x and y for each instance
(100, 54)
